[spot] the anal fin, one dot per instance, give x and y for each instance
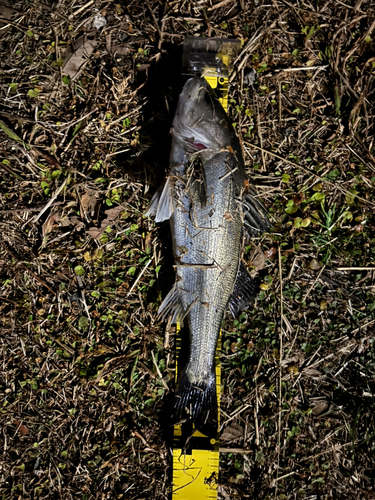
(244, 292)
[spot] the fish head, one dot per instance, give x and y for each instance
(200, 121)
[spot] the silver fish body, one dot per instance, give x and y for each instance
(204, 199)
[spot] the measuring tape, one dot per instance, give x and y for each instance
(195, 456)
(196, 467)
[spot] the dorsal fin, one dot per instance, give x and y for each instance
(244, 292)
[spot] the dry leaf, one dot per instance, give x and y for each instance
(319, 407)
(75, 221)
(258, 258)
(75, 60)
(314, 265)
(120, 49)
(233, 432)
(298, 198)
(298, 358)
(48, 225)
(312, 372)
(148, 243)
(89, 201)
(22, 428)
(111, 214)
(271, 253)
(94, 232)
(6, 13)
(87, 256)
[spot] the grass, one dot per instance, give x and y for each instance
(87, 369)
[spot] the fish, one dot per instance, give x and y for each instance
(211, 206)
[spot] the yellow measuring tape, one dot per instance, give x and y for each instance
(196, 469)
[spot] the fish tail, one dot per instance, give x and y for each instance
(197, 402)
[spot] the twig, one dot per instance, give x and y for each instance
(12, 173)
(257, 440)
(235, 450)
(260, 137)
(78, 11)
(139, 277)
(356, 268)
(160, 33)
(158, 370)
(220, 4)
(363, 326)
(245, 53)
(312, 286)
(56, 194)
(334, 448)
(302, 68)
(280, 371)
(360, 159)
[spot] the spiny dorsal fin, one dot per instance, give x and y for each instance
(255, 216)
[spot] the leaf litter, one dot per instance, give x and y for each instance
(86, 117)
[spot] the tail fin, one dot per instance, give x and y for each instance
(197, 402)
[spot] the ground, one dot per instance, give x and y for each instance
(87, 368)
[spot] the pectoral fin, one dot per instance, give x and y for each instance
(244, 292)
(161, 205)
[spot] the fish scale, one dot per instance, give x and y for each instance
(220, 243)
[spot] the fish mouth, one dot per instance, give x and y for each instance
(194, 145)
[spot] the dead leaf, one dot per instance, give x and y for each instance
(76, 59)
(6, 14)
(48, 225)
(319, 407)
(233, 432)
(22, 428)
(89, 201)
(94, 232)
(148, 243)
(312, 372)
(293, 370)
(298, 358)
(258, 258)
(111, 214)
(75, 221)
(314, 265)
(298, 198)
(120, 49)
(271, 253)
